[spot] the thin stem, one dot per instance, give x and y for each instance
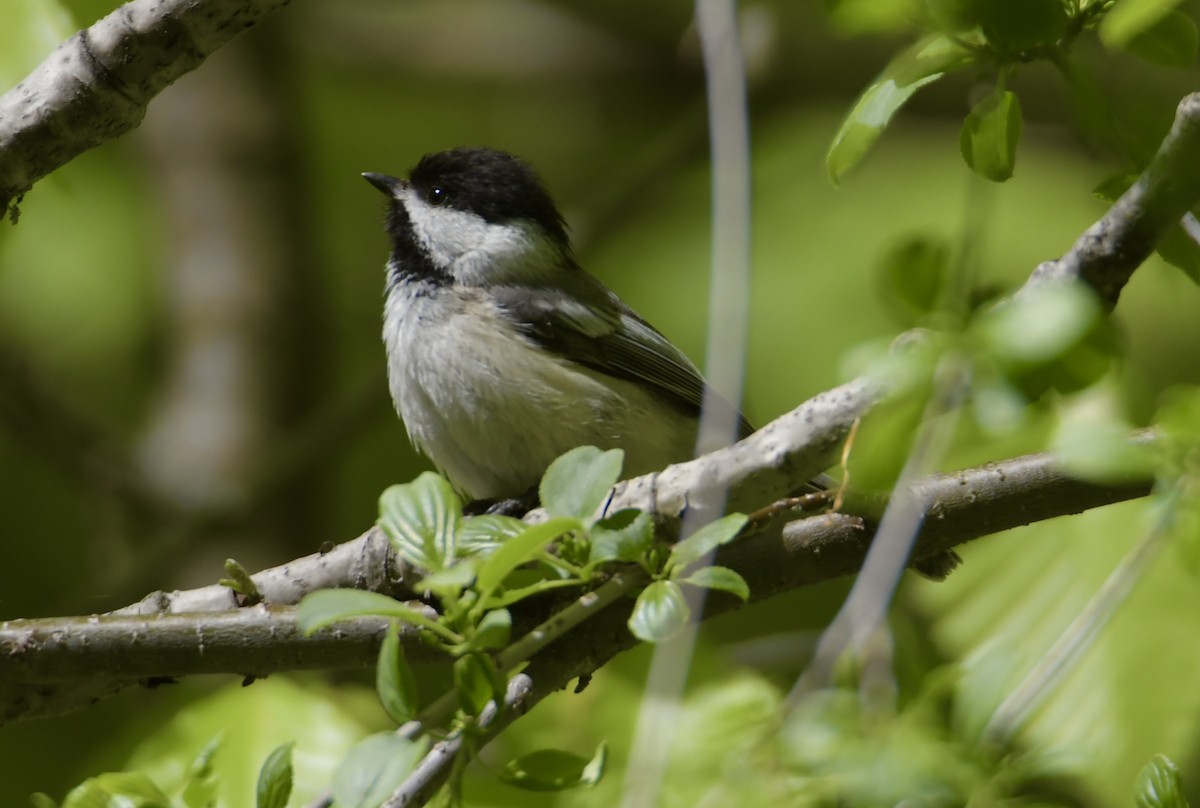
(1071, 646)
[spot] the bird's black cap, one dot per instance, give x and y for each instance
(492, 184)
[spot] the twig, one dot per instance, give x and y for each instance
(863, 615)
(729, 293)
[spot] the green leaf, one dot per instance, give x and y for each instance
(421, 518)
(1129, 18)
(660, 612)
(925, 62)
(720, 578)
(1170, 42)
(326, 606)
(915, 274)
(555, 770)
(1041, 325)
(705, 540)
(1181, 251)
(519, 550)
(449, 582)
(202, 764)
(577, 484)
(989, 136)
(1159, 785)
(998, 407)
(117, 790)
(375, 768)
(1111, 188)
(274, 787)
(474, 682)
(201, 784)
(1094, 445)
(40, 800)
(624, 536)
(1016, 25)
(394, 680)
(493, 630)
(484, 533)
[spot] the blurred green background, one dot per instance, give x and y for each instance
(190, 363)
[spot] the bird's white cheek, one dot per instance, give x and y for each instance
(475, 251)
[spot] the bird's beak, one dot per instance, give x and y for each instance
(389, 185)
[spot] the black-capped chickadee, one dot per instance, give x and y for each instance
(502, 352)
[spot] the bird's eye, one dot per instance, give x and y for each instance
(437, 195)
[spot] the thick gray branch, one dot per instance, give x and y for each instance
(49, 666)
(967, 505)
(96, 85)
(1107, 254)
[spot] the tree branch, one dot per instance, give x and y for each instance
(52, 665)
(1110, 251)
(96, 86)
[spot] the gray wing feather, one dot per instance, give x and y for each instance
(606, 335)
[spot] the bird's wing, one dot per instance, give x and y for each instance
(608, 336)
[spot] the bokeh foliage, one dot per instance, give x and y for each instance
(605, 98)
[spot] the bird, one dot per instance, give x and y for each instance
(503, 353)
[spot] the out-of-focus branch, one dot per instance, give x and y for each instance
(782, 556)
(1110, 251)
(96, 85)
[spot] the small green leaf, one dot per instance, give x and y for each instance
(925, 62)
(660, 612)
(1094, 445)
(519, 550)
(624, 536)
(1041, 325)
(915, 274)
(555, 770)
(449, 582)
(375, 768)
(720, 578)
(239, 581)
(577, 483)
(124, 789)
(319, 609)
(1181, 251)
(1129, 18)
(201, 784)
(1111, 188)
(1170, 42)
(493, 630)
(421, 518)
(484, 533)
(1016, 25)
(394, 680)
(40, 800)
(1159, 785)
(474, 682)
(989, 136)
(202, 764)
(999, 408)
(274, 787)
(705, 540)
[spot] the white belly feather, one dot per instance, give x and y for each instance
(492, 412)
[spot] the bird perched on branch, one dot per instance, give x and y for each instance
(502, 352)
